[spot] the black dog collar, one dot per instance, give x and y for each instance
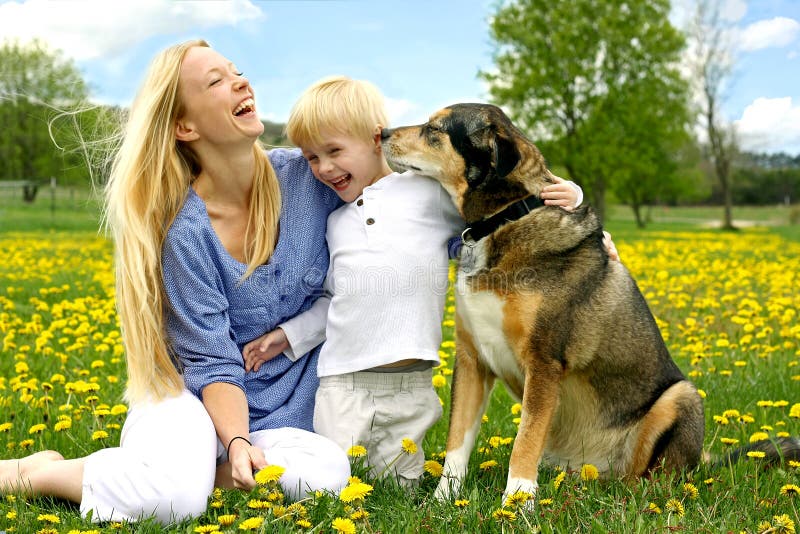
(479, 229)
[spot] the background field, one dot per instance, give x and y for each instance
(726, 303)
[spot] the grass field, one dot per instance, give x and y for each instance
(726, 303)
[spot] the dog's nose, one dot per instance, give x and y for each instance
(386, 133)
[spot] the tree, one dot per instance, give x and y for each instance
(711, 64)
(565, 68)
(34, 83)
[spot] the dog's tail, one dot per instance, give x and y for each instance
(775, 451)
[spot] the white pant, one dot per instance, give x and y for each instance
(312, 462)
(164, 466)
(378, 410)
(166, 463)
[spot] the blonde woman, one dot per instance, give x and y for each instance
(217, 242)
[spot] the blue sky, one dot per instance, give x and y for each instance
(423, 54)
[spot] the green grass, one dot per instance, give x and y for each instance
(708, 289)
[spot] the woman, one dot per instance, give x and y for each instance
(216, 244)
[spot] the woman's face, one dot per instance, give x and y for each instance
(218, 104)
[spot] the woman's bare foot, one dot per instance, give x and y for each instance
(14, 474)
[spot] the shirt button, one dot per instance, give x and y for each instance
(360, 202)
(277, 272)
(283, 298)
(370, 221)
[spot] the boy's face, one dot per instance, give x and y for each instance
(346, 164)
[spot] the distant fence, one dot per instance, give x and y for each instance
(47, 192)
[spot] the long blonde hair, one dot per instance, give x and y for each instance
(149, 180)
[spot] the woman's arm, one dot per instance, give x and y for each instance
(227, 406)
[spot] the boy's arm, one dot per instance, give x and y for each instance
(306, 330)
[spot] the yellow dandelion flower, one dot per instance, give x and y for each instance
(356, 451)
(206, 528)
(303, 523)
(99, 434)
(758, 436)
(790, 490)
(37, 428)
(226, 520)
(258, 504)
(545, 502)
(252, 523)
(409, 447)
(756, 454)
(794, 463)
(439, 381)
(502, 515)
(216, 503)
(729, 441)
(794, 411)
(488, 464)
(271, 473)
(119, 409)
(49, 518)
(353, 480)
(764, 526)
(344, 525)
(5, 427)
(516, 408)
(62, 425)
(433, 468)
(589, 472)
(746, 418)
(461, 503)
(484, 418)
(675, 506)
(653, 508)
(25, 443)
(559, 479)
(354, 492)
(359, 515)
(783, 524)
(12, 515)
(690, 490)
(517, 499)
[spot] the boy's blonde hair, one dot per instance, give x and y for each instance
(336, 104)
(149, 180)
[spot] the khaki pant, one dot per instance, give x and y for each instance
(378, 410)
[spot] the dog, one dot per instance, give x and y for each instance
(540, 306)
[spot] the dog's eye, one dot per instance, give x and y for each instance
(433, 128)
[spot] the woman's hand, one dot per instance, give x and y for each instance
(245, 459)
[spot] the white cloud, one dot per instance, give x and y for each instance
(89, 29)
(775, 32)
(770, 125)
(733, 10)
(402, 112)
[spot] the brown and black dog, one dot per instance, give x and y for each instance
(540, 306)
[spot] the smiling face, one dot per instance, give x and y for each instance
(345, 163)
(217, 101)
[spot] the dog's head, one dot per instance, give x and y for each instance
(475, 152)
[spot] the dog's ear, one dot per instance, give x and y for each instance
(506, 155)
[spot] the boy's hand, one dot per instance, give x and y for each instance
(559, 194)
(263, 349)
(610, 248)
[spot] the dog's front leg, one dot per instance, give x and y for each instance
(539, 400)
(472, 384)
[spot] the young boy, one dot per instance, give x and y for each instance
(387, 281)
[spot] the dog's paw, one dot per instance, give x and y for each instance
(520, 493)
(448, 488)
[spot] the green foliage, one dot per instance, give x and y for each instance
(596, 84)
(35, 83)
